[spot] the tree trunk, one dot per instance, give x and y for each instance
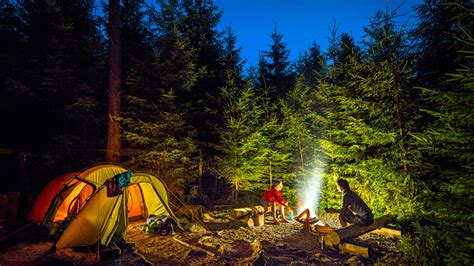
(300, 147)
(334, 238)
(115, 83)
(200, 168)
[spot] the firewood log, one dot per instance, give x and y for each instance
(323, 229)
(241, 212)
(389, 232)
(354, 249)
(247, 221)
(335, 237)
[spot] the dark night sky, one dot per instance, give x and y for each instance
(302, 21)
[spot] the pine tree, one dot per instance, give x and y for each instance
(198, 26)
(366, 118)
(240, 138)
(274, 67)
(310, 64)
(437, 50)
(443, 231)
(231, 59)
(61, 48)
(298, 110)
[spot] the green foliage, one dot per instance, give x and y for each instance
(310, 64)
(366, 111)
(198, 27)
(274, 68)
(157, 140)
(447, 145)
(298, 118)
(240, 139)
(343, 49)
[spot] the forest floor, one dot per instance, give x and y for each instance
(211, 241)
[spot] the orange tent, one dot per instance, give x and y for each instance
(41, 205)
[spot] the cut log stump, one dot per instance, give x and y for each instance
(334, 238)
(259, 220)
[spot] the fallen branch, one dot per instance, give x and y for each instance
(198, 249)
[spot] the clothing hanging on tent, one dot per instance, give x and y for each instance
(123, 179)
(113, 188)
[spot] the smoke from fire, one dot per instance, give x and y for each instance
(309, 192)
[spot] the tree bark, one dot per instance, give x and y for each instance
(115, 82)
(335, 237)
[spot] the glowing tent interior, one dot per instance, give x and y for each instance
(93, 215)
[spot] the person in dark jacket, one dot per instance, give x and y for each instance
(273, 198)
(354, 210)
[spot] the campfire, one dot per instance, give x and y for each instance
(305, 218)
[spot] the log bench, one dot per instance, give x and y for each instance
(334, 238)
(250, 216)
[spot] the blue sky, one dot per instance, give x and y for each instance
(302, 21)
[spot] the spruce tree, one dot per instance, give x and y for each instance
(366, 117)
(231, 60)
(443, 231)
(240, 139)
(114, 131)
(437, 50)
(158, 140)
(62, 48)
(12, 49)
(157, 136)
(199, 27)
(298, 110)
(310, 64)
(343, 49)
(275, 71)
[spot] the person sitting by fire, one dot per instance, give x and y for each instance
(274, 200)
(354, 210)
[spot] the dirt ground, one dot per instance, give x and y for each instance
(215, 239)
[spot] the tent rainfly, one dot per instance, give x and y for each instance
(92, 214)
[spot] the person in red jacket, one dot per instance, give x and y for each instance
(274, 199)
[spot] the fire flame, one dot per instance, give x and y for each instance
(309, 192)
